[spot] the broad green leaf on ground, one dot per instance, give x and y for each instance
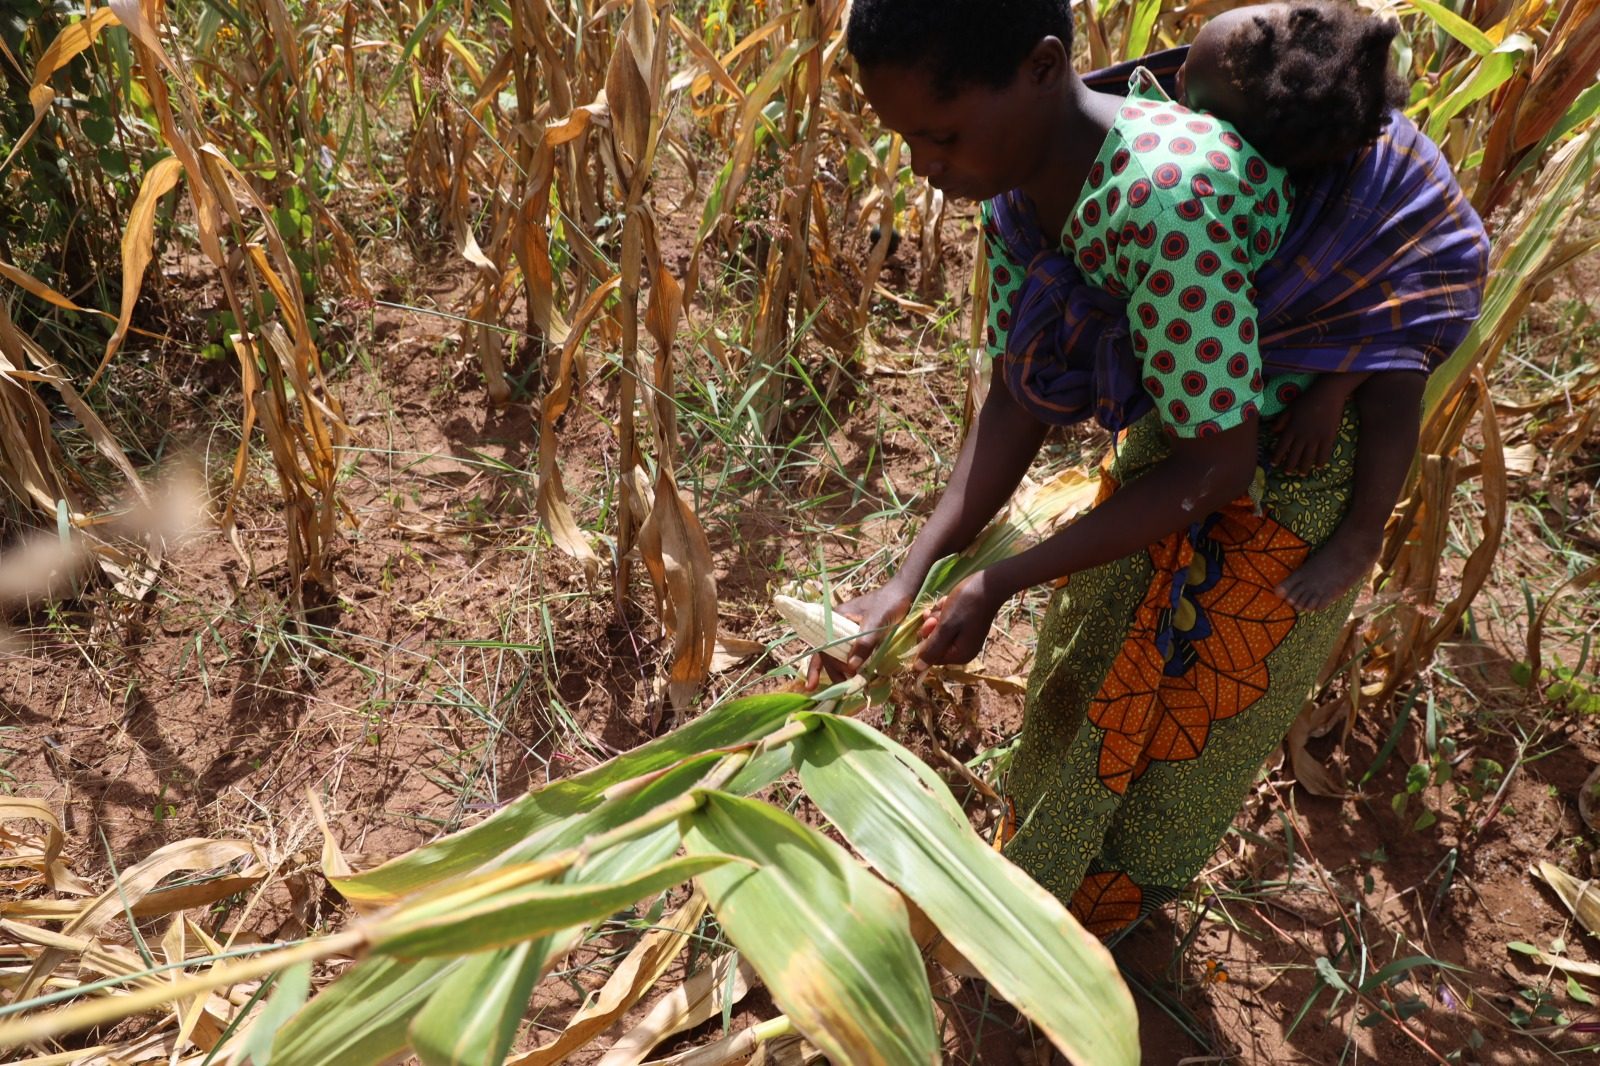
(513, 828)
(1015, 932)
(832, 943)
(442, 926)
(370, 1009)
(362, 1017)
(288, 996)
(473, 1017)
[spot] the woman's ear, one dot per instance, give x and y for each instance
(1048, 64)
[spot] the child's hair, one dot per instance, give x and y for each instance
(1318, 81)
(960, 43)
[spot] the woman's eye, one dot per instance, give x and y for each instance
(944, 140)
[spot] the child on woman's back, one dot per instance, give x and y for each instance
(1308, 84)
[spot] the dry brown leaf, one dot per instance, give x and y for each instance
(697, 999)
(1013, 684)
(677, 555)
(137, 882)
(627, 985)
(1564, 964)
(161, 901)
(731, 651)
(138, 239)
(48, 858)
(131, 15)
(1522, 460)
(31, 284)
(1582, 898)
(554, 509)
(703, 54)
(30, 462)
(629, 93)
(1310, 771)
(69, 43)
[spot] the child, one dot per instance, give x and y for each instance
(1308, 84)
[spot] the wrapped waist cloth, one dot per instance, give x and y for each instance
(1382, 268)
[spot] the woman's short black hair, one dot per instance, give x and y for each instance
(960, 43)
(1318, 80)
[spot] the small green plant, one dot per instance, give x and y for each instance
(1436, 770)
(1565, 687)
(1537, 1009)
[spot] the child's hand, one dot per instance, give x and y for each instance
(1306, 434)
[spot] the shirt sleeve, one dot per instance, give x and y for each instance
(1186, 266)
(1005, 279)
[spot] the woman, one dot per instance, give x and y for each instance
(1168, 667)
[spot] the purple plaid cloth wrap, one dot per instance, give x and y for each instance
(1382, 268)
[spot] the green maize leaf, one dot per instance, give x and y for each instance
(1456, 26)
(373, 1005)
(1493, 71)
(1140, 25)
(288, 996)
(473, 1018)
(1584, 107)
(761, 771)
(515, 828)
(1020, 936)
(1522, 253)
(832, 942)
(361, 1018)
(441, 927)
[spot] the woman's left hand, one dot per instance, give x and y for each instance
(956, 627)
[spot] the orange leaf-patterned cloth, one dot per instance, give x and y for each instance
(1162, 681)
(1196, 652)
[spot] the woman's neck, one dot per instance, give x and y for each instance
(1084, 119)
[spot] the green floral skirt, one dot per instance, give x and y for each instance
(1162, 682)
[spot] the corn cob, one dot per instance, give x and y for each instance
(826, 630)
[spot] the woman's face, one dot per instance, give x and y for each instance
(975, 145)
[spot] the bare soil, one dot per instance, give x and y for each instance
(202, 711)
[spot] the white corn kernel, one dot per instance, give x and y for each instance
(826, 630)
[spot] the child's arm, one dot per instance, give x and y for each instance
(1306, 430)
(1390, 406)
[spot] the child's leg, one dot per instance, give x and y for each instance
(1390, 406)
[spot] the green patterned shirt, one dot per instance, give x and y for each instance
(1177, 215)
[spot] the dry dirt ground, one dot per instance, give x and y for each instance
(464, 661)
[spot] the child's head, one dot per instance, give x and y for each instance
(972, 85)
(1306, 82)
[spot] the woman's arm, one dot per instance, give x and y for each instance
(1201, 475)
(1002, 443)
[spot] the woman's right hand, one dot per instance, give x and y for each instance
(877, 613)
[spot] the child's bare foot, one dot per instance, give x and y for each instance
(1330, 572)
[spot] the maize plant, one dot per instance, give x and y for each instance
(453, 937)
